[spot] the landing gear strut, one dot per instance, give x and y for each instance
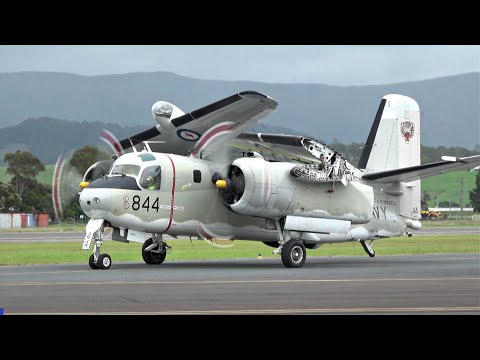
(95, 228)
(368, 247)
(96, 260)
(293, 252)
(154, 250)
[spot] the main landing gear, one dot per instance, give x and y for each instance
(293, 252)
(154, 250)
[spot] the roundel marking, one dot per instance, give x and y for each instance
(188, 135)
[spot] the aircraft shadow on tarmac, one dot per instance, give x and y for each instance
(319, 262)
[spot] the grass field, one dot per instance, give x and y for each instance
(70, 252)
(44, 177)
(447, 186)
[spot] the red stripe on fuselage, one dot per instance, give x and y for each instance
(172, 204)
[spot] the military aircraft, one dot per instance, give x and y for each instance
(201, 174)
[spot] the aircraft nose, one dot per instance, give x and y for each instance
(95, 203)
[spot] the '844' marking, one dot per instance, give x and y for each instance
(137, 203)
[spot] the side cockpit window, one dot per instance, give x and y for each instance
(151, 177)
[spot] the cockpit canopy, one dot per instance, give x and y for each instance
(138, 170)
(151, 177)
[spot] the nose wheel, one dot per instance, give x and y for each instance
(92, 263)
(94, 230)
(102, 261)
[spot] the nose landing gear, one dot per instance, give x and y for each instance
(94, 229)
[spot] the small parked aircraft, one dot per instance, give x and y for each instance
(200, 174)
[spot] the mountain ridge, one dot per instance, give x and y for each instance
(324, 111)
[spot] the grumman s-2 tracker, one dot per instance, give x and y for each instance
(199, 174)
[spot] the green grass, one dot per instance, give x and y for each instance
(45, 177)
(70, 252)
(449, 223)
(447, 186)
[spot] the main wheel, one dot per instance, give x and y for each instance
(152, 258)
(104, 261)
(294, 254)
(91, 263)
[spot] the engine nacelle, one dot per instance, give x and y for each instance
(260, 188)
(163, 112)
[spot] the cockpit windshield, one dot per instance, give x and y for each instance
(150, 178)
(125, 169)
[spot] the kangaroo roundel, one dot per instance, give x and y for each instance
(407, 128)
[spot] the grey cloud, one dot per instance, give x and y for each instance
(332, 64)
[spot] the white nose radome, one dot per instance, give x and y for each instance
(95, 203)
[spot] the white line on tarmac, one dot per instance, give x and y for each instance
(266, 311)
(207, 282)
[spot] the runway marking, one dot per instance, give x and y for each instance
(261, 311)
(207, 282)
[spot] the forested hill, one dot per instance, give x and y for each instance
(449, 105)
(47, 138)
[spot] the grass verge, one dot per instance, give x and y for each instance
(70, 252)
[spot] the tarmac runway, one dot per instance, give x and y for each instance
(406, 284)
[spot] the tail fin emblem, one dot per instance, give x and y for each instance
(407, 128)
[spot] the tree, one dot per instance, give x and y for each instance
(38, 198)
(84, 157)
(24, 167)
(426, 196)
(475, 194)
(9, 198)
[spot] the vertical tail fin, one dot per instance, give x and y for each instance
(394, 139)
(393, 143)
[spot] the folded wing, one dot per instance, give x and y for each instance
(205, 129)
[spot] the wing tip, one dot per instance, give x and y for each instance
(258, 95)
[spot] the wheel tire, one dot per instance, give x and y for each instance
(104, 261)
(91, 263)
(294, 254)
(151, 258)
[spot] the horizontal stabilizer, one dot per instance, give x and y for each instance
(422, 171)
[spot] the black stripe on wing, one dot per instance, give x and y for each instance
(184, 119)
(292, 140)
(138, 138)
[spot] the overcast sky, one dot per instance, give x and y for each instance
(327, 64)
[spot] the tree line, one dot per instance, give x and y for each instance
(23, 193)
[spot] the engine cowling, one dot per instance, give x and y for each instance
(260, 188)
(163, 112)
